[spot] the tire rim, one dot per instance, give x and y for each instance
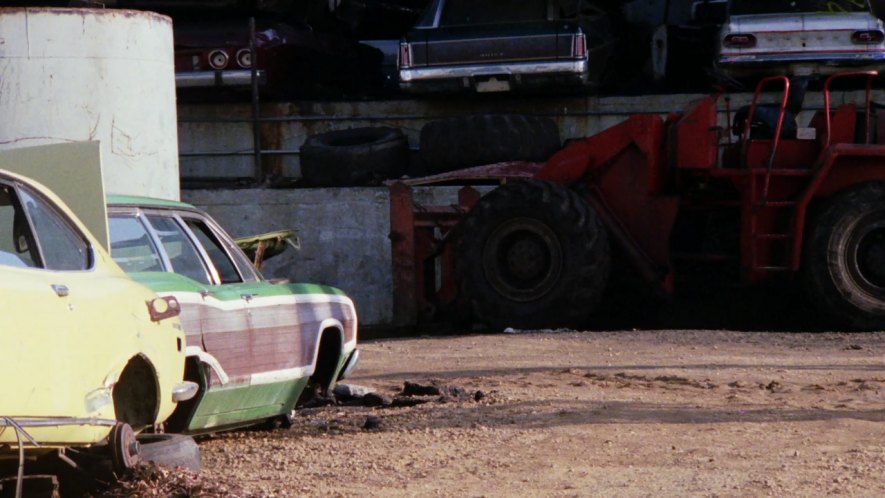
(866, 262)
(522, 259)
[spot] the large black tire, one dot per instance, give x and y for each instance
(532, 254)
(357, 156)
(463, 141)
(845, 258)
(171, 450)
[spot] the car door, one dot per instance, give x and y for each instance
(273, 342)
(207, 309)
(50, 297)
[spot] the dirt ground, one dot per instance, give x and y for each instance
(631, 413)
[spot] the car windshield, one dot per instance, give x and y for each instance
(743, 7)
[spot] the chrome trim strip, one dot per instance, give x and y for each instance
(350, 365)
(209, 360)
(184, 391)
(54, 421)
(235, 77)
(820, 57)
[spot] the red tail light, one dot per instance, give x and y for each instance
(739, 40)
(405, 55)
(218, 59)
(244, 58)
(867, 37)
(580, 48)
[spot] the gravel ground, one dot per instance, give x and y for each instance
(631, 413)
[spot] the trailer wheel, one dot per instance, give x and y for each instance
(532, 254)
(474, 140)
(357, 156)
(845, 258)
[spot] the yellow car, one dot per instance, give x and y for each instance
(88, 355)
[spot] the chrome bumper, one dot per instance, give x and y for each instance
(577, 68)
(822, 58)
(234, 77)
(350, 364)
(54, 421)
(184, 391)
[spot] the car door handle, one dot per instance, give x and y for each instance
(61, 290)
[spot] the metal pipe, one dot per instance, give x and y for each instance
(256, 107)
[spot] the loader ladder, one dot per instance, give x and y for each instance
(761, 203)
(783, 211)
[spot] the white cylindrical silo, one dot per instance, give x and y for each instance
(69, 75)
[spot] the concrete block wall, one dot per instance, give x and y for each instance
(343, 231)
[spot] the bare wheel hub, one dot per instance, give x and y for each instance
(522, 259)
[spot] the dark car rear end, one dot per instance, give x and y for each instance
(470, 45)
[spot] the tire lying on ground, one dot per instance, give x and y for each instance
(464, 141)
(357, 156)
(532, 254)
(171, 450)
(844, 266)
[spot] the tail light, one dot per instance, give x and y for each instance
(405, 55)
(218, 59)
(867, 37)
(739, 40)
(580, 48)
(244, 58)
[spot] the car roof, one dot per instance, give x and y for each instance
(148, 202)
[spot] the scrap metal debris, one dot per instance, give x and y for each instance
(152, 480)
(412, 394)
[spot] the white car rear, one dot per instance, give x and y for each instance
(757, 39)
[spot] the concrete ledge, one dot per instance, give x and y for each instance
(344, 235)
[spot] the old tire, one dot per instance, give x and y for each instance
(532, 254)
(844, 266)
(171, 450)
(357, 156)
(464, 141)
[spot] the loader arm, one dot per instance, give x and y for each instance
(622, 172)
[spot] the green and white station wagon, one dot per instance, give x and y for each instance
(253, 345)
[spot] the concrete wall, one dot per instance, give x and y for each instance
(226, 129)
(343, 232)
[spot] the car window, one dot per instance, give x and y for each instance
(458, 12)
(15, 248)
(60, 246)
(131, 245)
(226, 269)
(741, 7)
(182, 254)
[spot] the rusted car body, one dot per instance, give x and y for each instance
(90, 356)
(254, 346)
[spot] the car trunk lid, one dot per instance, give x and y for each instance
(484, 44)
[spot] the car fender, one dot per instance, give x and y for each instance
(204, 357)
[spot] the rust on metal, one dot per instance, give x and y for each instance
(423, 253)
